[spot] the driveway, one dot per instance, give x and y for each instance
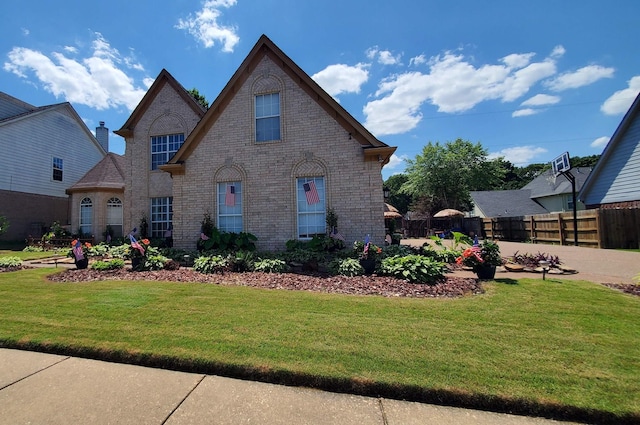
(592, 264)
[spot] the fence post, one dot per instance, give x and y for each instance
(560, 230)
(599, 227)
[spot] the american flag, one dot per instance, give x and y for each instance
(77, 251)
(230, 196)
(135, 244)
(311, 193)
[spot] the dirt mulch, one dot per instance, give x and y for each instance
(626, 288)
(359, 285)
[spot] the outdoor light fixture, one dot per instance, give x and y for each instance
(386, 192)
(545, 267)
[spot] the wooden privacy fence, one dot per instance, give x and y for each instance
(597, 228)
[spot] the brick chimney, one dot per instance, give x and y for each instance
(102, 134)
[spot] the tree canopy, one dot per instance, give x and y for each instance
(200, 98)
(397, 198)
(443, 175)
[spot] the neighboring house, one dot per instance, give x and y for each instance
(45, 150)
(272, 153)
(97, 199)
(556, 195)
(504, 203)
(615, 181)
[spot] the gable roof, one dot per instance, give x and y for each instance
(614, 143)
(161, 80)
(32, 111)
(107, 175)
(265, 47)
(543, 185)
(506, 203)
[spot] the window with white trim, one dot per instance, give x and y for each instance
(115, 215)
(57, 169)
(161, 216)
(267, 117)
(86, 216)
(311, 206)
(164, 147)
(230, 207)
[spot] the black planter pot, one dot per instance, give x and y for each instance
(369, 265)
(485, 272)
(135, 263)
(82, 264)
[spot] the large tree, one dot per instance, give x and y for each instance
(397, 198)
(443, 175)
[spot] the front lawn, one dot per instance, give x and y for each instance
(562, 348)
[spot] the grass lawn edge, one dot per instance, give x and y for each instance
(446, 397)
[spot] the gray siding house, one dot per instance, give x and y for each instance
(615, 180)
(45, 150)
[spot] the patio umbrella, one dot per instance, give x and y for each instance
(391, 212)
(447, 213)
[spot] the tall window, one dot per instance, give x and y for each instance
(230, 207)
(86, 216)
(114, 215)
(311, 207)
(161, 216)
(268, 117)
(164, 147)
(57, 169)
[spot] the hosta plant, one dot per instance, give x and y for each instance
(10, 262)
(211, 264)
(414, 268)
(271, 266)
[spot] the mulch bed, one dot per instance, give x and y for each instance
(359, 285)
(624, 287)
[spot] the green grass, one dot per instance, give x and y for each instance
(552, 347)
(26, 255)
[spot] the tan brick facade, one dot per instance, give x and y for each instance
(315, 141)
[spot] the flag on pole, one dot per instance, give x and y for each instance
(336, 235)
(135, 244)
(230, 196)
(311, 193)
(77, 251)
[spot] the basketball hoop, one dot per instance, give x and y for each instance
(561, 164)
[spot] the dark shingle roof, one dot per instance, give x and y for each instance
(543, 185)
(108, 174)
(506, 203)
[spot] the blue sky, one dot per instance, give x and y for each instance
(527, 79)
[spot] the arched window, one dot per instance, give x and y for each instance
(86, 216)
(114, 216)
(230, 207)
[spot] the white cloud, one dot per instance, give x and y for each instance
(520, 155)
(418, 60)
(600, 142)
(540, 100)
(453, 84)
(620, 101)
(206, 28)
(582, 77)
(396, 161)
(525, 112)
(96, 81)
(558, 52)
(340, 78)
(385, 57)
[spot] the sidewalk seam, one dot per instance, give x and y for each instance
(183, 400)
(384, 414)
(36, 372)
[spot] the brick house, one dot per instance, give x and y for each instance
(270, 156)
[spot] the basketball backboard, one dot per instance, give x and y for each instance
(561, 164)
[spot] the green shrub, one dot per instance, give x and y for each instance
(154, 262)
(397, 250)
(445, 255)
(414, 268)
(114, 264)
(32, 248)
(227, 241)
(243, 261)
(347, 267)
(270, 266)
(10, 262)
(119, 251)
(211, 264)
(100, 250)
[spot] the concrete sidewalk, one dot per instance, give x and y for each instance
(37, 388)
